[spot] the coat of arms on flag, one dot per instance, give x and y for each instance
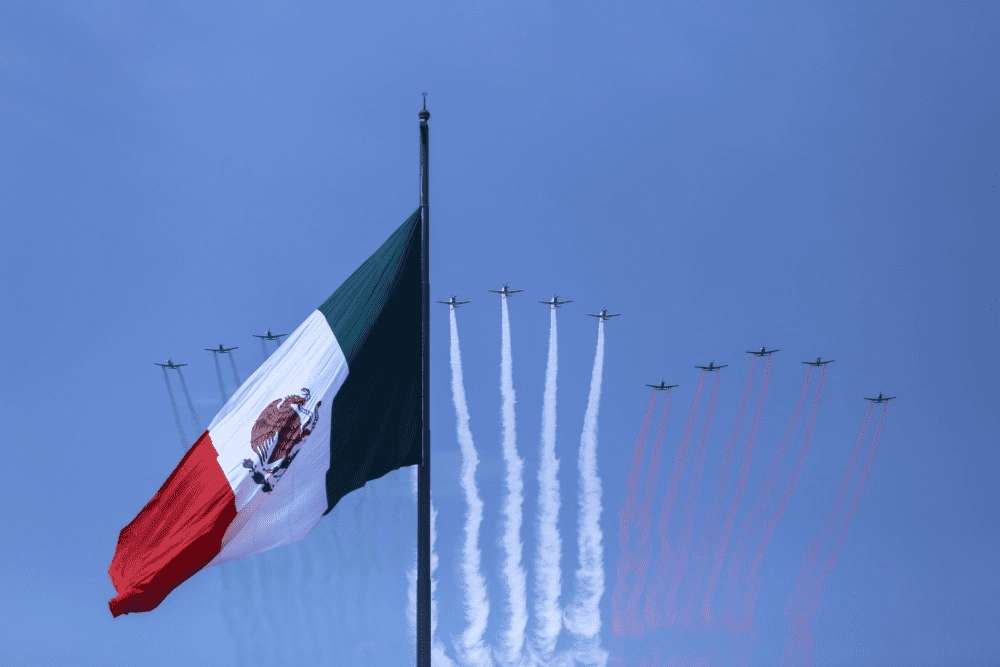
(279, 429)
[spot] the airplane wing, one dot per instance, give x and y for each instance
(458, 303)
(612, 315)
(722, 366)
(592, 315)
(705, 368)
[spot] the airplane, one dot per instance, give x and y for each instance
(880, 399)
(662, 385)
(763, 352)
(555, 302)
(818, 362)
(269, 336)
(452, 301)
(221, 350)
(603, 315)
(506, 291)
(711, 366)
(170, 364)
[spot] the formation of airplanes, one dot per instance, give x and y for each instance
(554, 302)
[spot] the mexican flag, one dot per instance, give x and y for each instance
(336, 405)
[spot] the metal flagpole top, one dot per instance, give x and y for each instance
(424, 113)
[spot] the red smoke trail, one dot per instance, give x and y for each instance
(651, 659)
(650, 611)
(642, 550)
(625, 515)
(675, 661)
(627, 560)
(750, 596)
(852, 462)
(711, 534)
(688, 511)
(727, 527)
(865, 474)
(805, 602)
(756, 511)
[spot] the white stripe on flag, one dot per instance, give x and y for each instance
(310, 359)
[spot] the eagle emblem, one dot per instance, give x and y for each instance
(276, 436)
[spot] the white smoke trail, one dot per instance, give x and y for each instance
(438, 655)
(411, 578)
(361, 562)
(583, 617)
(185, 443)
(471, 649)
(236, 375)
(187, 396)
(512, 642)
(548, 575)
(218, 376)
(333, 588)
(312, 605)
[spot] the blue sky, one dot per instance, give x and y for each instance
(817, 177)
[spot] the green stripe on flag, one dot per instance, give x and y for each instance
(375, 315)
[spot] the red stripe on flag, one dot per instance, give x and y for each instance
(176, 534)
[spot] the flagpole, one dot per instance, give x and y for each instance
(424, 469)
